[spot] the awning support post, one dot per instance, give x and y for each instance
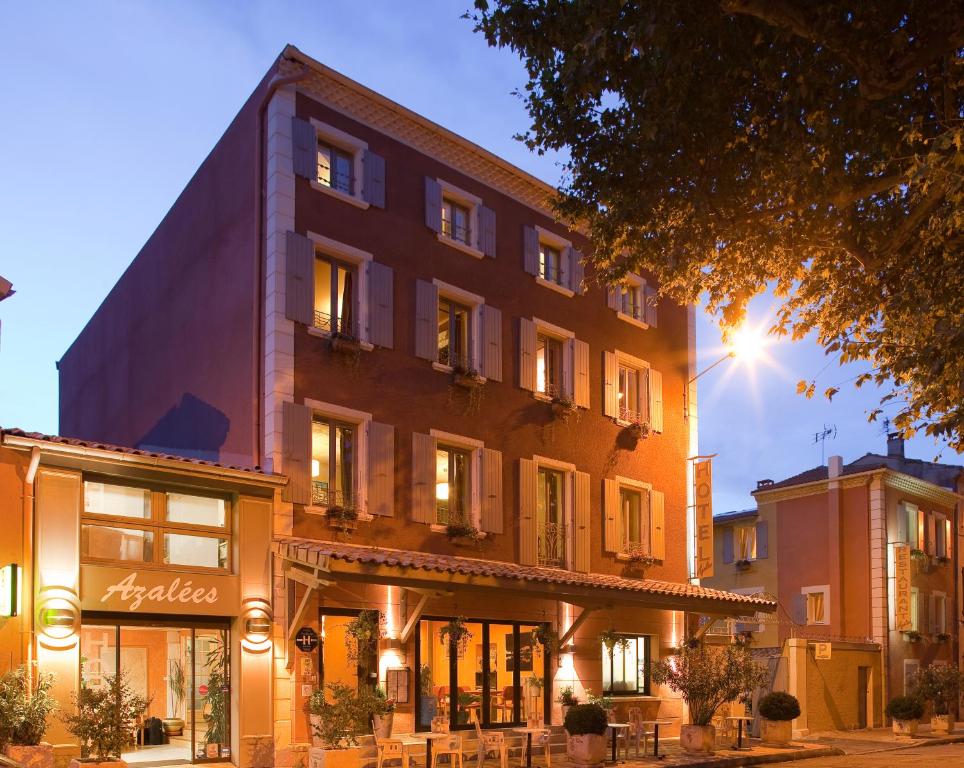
(409, 627)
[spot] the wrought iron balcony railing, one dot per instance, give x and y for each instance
(343, 182)
(455, 231)
(333, 325)
(326, 497)
(552, 546)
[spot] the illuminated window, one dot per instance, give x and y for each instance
(452, 485)
(334, 297)
(625, 670)
(631, 300)
(744, 539)
(551, 516)
(634, 520)
(549, 353)
(116, 500)
(914, 609)
(633, 394)
(454, 327)
(818, 604)
(455, 221)
(335, 168)
(550, 264)
(332, 463)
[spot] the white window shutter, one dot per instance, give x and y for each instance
(611, 540)
(304, 149)
(932, 614)
(373, 179)
(655, 400)
(433, 204)
(381, 305)
(492, 510)
(580, 353)
(610, 385)
(528, 534)
(296, 452)
(299, 279)
(530, 250)
(577, 274)
(650, 306)
(582, 523)
(487, 231)
(931, 534)
(423, 478)
(426, 320)
(381, 469)
(527, 354)
(612, 297)
(658, 531)
(902, 515)
(491, 363)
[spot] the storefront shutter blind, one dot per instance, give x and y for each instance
(492, 510)
(658, 504)
(491, 343)
(381, 305)
(656, 400)
(299, 279)
(304, 149)
(487, 231)
(423, 478)
(530, 250)
(296, 452)
(527, 354)
(762, 541)
(610, 385)
(433, 204)
(580, 356)
(611, 542)
(373, 180)
(528, 535)
(649, 300)
(426, 320)
(582, 517)
(381, 469)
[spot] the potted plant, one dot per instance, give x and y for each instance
(706, 678)
(905, 711)
(534, 701)
(342, 517)
(586, 727)
(637, 555)
(380, 709)
(345, 343)
(466, 377)
(547, 638)
(563, 406)
(461, 531)
(611, 639)
(606, 702)
(216, 702)
(174, 726)
(23, 718)
(742, 565)
(567, 699)
(428, 703)
(456, 629)
(777, 710)
(638, 430)
(941, 686)
(942, 637)
(104, 722)
(913, 636)
(363, 633)
(338, 717)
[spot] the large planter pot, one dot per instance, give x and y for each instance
(315, 722)
(334, 758)
(697, 739)
(776, 733)
(905, 727)
(75, 763)
(39, 756)
(586, 749)
(382, 725)
(940, 724)
(173, 726)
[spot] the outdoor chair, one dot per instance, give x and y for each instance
(452, 746)
(390, 749)
(490, 743)
(541, 740)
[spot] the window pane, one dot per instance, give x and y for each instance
(195, 510)
(107, 542)
(320, 464)
(550, 514)
(541, 364)
(341, 172)
(444, 331)
(323, 296)
(345, 302)
(630, 504)
(531, 675)
(442, 487)
(201, 551)
(434, 698)
(549, 263)
(119, 500)
(324, 165)
(344, 464)
(460, 337)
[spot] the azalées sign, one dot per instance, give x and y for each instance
(146, 591)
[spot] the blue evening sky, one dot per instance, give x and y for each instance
(109, 107)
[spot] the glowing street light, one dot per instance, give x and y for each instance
(746, 343)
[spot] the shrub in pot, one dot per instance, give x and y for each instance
(586, 725)
(706, 678)
(24, 712)
(104, 721)
(941, 686)
(380, 709)
(777, 710)
(905, 711)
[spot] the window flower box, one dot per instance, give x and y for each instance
(742, 565)
(467, 378)
(462, 533)
(562, 407)
(913, 636)
(342, 518)
(345, 344)
(942, 637)
(638, 430)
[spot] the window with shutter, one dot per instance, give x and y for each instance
(817, 604)
(333, 469)
(553, 261)
(553, 363)
(459, 218)
(296, 449)
(633, 301)
(528, 536)
(339, 164)
(335, 297)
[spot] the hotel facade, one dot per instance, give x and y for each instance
(471, 427)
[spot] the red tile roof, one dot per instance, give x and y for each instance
(309, 550)
(93, 444)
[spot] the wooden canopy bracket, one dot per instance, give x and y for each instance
(569, 633)
(410, 625)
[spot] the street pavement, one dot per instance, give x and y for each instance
(942, 755)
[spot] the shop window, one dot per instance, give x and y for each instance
(332, 463)
(335, 292)
(494, 675)
(626, 667)
(453, 478)
(130, 524)
(551, 517)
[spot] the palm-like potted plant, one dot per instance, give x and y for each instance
(906, 712)
(23, 717)
(176, 683)
(778, 709)
(706, 678)
(216, 700)
(941, 686)
(104, 722)
(586, 726)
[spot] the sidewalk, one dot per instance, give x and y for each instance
(755, 754)
(871, 740)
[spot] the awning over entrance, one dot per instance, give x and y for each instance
(338, 561)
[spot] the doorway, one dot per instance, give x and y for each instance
(181, 674)
(863, 693)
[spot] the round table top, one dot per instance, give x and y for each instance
(618, 725)
(435, 734)
(738, 717)
(527, 729)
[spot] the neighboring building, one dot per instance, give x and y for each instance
(823, 544)
(355, 297)
(146, 563)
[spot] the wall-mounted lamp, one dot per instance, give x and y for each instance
(11, 577)
(256, 625)
(58, 616)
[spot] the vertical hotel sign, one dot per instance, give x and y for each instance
(903, 620)
(703, 498)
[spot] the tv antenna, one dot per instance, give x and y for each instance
(827, 433)
(885, 426)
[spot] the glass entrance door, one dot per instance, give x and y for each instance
(182, 677)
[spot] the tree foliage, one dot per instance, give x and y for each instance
(810, 147)
(24, 708)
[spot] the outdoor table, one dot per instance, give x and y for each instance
(615, 728)
(740, 719)
(656, 724)
(410, 740)
(528, 732)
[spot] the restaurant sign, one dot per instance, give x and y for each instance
(903, 621)
(148, 591)
(703, 497)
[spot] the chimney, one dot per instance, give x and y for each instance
(834, 466)
(760, 484)
(895, 446)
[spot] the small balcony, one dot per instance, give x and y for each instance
(551, 546)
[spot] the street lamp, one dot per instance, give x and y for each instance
(746, 343)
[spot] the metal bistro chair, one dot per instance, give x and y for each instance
(452, 746)
(391, 749)
(492, 742)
